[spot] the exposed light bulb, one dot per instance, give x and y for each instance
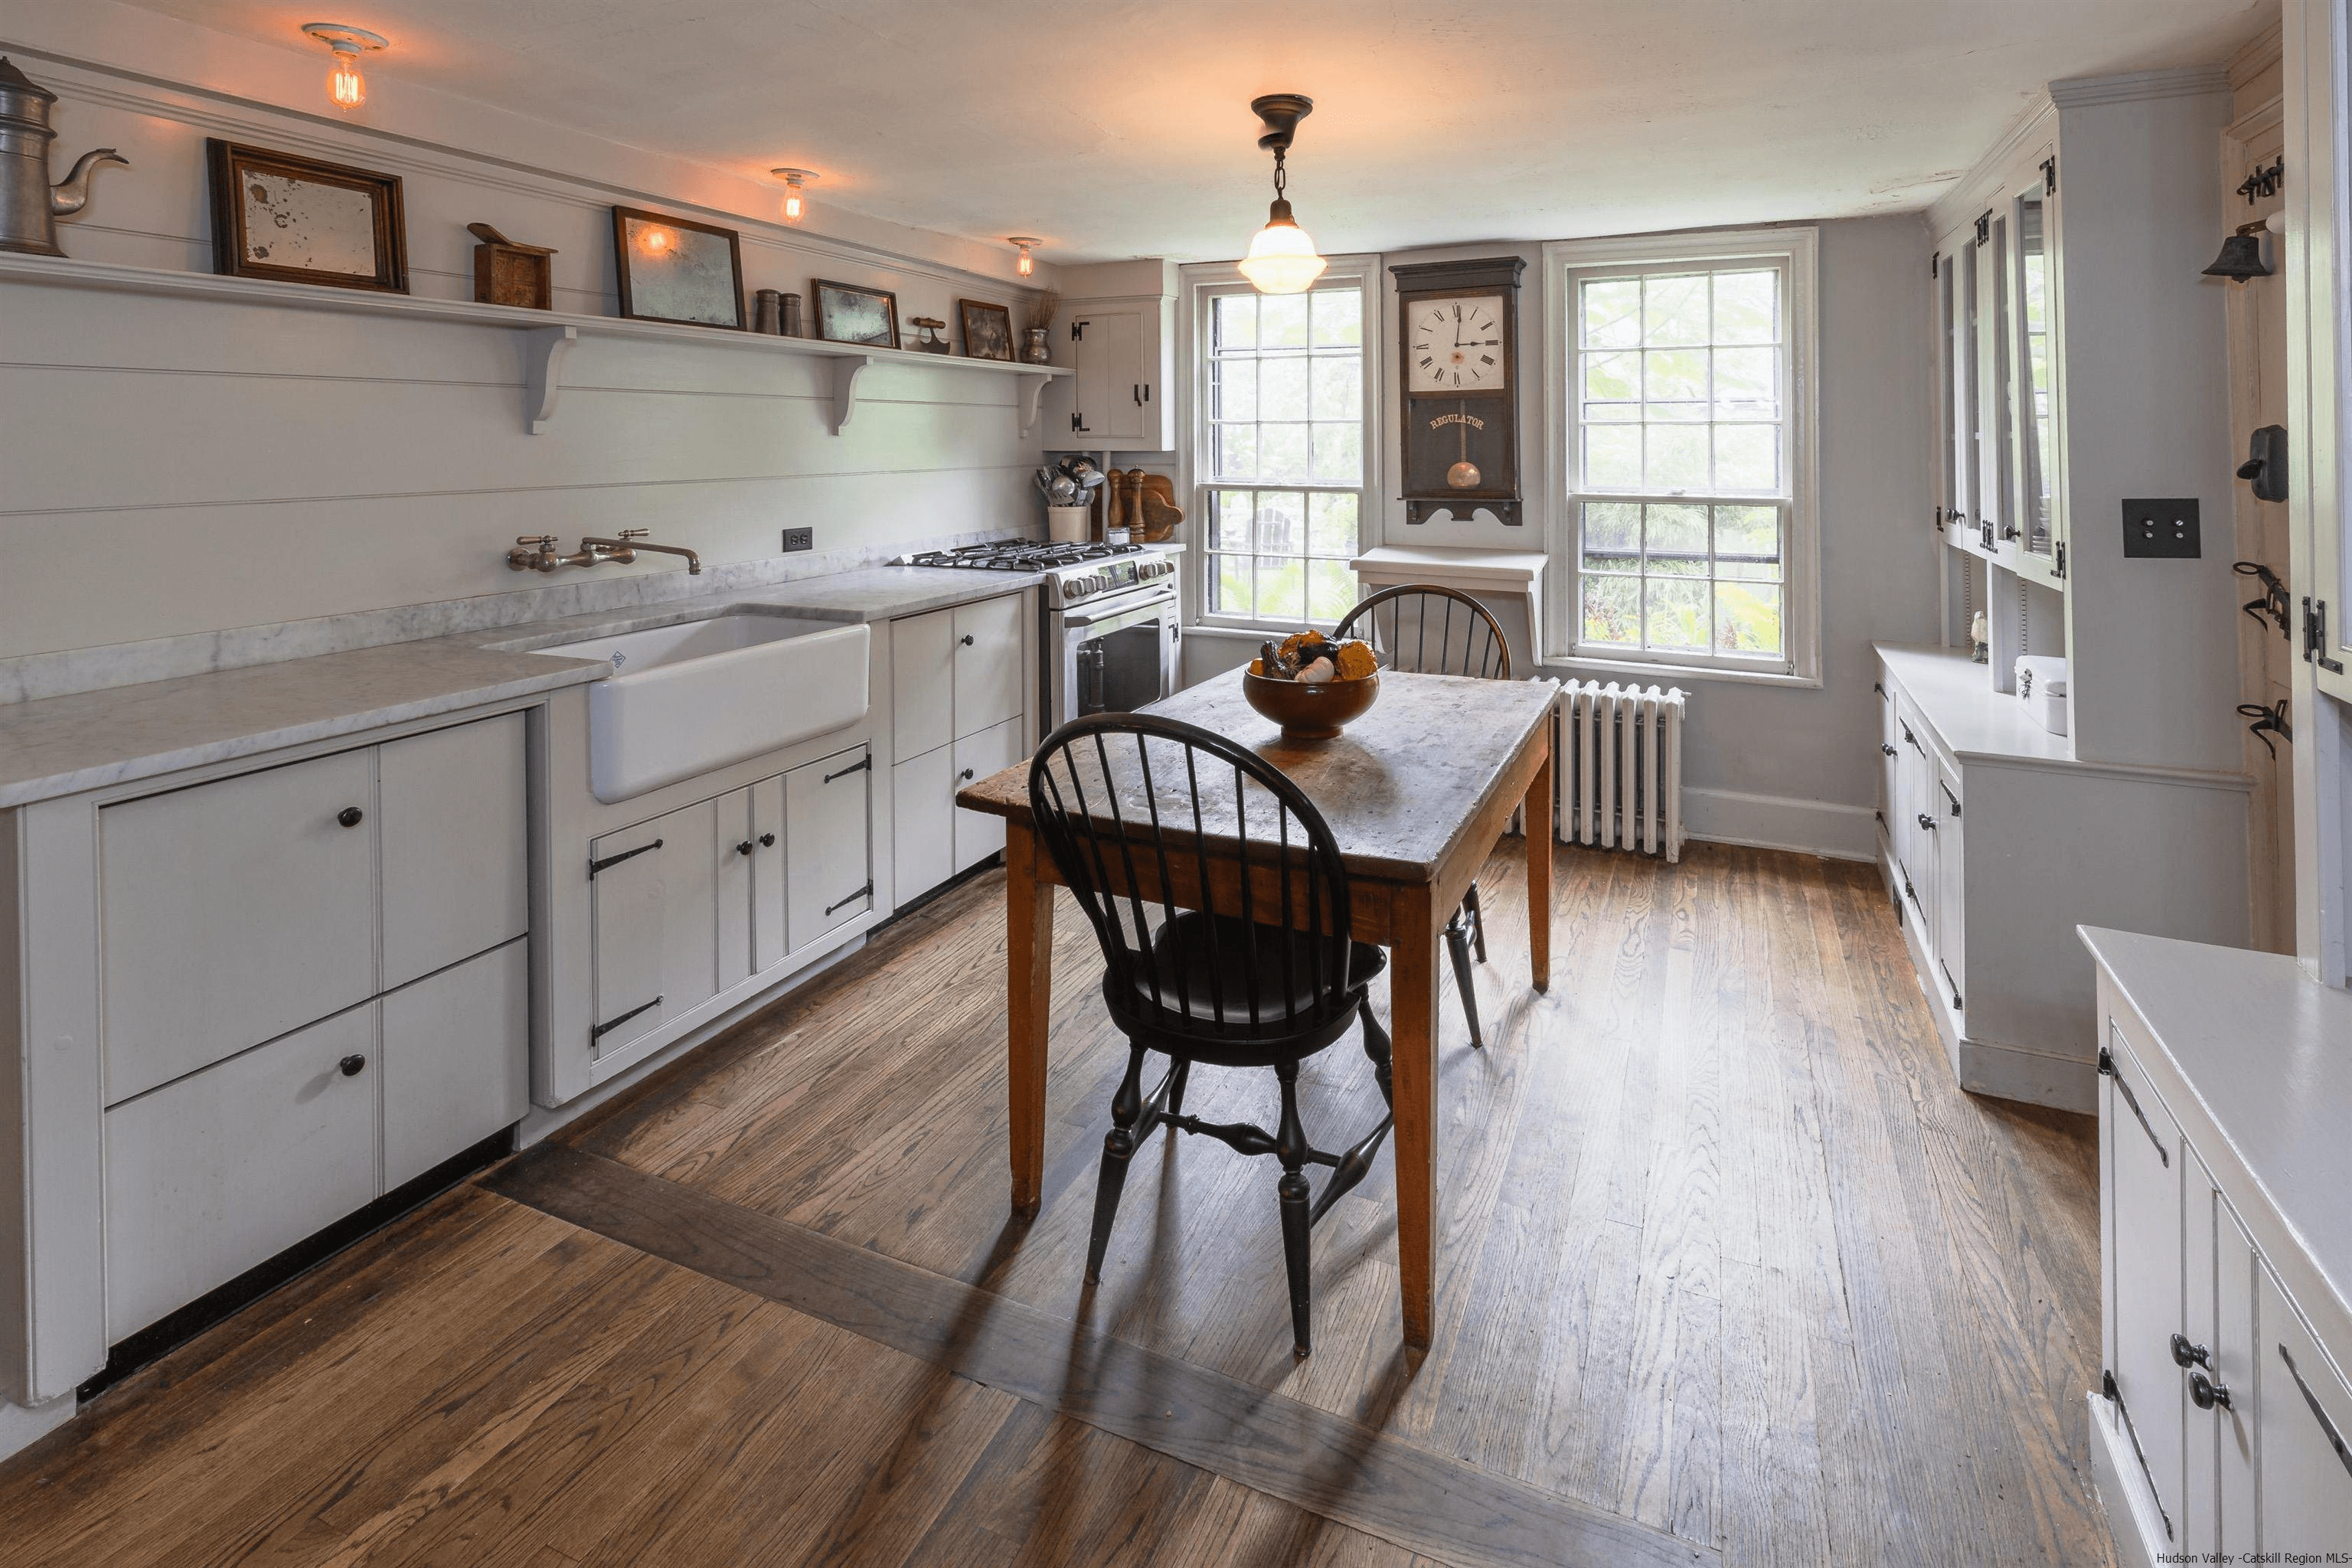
(346, 84)
(795, 196)
(1028, 264)
(1282, 257)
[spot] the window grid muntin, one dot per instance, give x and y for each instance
(1725, 573)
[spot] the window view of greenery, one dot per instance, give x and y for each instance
(1683, 495)
(1283, 467)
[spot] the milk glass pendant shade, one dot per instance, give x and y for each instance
(1282, 259)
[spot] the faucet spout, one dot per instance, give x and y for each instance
(625, 549)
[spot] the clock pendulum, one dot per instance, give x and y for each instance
(1464, 474)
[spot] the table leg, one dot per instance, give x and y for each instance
(1540, 846)
(1413, 1026)
(1029, 991)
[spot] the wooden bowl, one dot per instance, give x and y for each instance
(1310, 713)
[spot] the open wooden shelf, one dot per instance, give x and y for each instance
(549, 334)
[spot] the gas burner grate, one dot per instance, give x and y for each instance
(1019, 556)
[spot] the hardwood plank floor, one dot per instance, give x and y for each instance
(1722, 1251)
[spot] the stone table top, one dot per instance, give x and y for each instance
(1399, 788)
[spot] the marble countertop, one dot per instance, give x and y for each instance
(2266, 1053)
(62, 745)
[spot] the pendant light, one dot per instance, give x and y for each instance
(346, 86)
(1282, 257)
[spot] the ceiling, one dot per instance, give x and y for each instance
(1122, 129)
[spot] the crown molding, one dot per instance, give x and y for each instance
(2263, 50)
(2188, 81)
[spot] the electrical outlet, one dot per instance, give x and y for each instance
(2162, 528)
(799, 538)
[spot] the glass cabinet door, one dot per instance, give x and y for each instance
(1957, 318)
(1993, 293)
(2033, 402)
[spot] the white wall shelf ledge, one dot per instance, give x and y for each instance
(549, 335)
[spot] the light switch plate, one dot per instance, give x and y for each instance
(2165, 530)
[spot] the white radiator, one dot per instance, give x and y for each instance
(1618, 762)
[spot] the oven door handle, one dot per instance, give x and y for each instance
(1149, 604)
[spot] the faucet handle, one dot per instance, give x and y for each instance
(544, 540)
(634, 532)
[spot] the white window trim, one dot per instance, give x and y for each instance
(1800, 249)
(1198, 282)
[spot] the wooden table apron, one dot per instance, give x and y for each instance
(1403, 908)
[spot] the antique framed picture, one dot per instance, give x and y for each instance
(987, 329)
(676, 270)
(300, 220)
(847, 313)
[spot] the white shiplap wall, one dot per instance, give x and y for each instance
(172, 467)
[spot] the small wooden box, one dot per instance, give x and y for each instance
(506, 273)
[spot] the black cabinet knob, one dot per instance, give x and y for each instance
(744, 848)
(965, 775)
(767, 841)
(2205, 1394)
(2184, 1354)
(1927, 822)
(352, 1065)
(1886, 749)
(967, 639)
(351, 817)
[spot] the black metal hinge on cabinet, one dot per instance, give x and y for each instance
(859, 766)
(2326, 1427)
(1984, 227)
(2115, 1396)
(601, 1030)
(2062, 558)
(609, 861)
(2050, 174)
(1950, 982)
(1077, 331)
(2314, 637)
(2123, 1085)
(864, 892)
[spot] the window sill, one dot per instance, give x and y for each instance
(1642, 672)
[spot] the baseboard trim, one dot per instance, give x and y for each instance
(22, 1425)
(1781, 822)
(2012, 1072)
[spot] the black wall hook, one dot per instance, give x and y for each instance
(2273, 602)
(2264, 182)
(2272, 719)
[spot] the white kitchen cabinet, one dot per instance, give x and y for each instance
(922, 822)
(453, 815)
(233, 912)
(979, 835)
(830, 876)
(654, 913)
(1999, 842)
(733, 852)
(2304, 1421)
(452, 1073)
(213, 1173)
(963, 680)
(922, 682)
(1122, 393)
(2220, 1421)
(770, 939)
(988, 663)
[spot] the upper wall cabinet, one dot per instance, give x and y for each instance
(1116, 332)
(1999, 454)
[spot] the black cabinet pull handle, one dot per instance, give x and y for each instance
(352, 1065)
(2187, 1354)
(745, 848)
(2205, 1394)
(2123, 1086)
(351, 817)
(862, 892)
(1886, 749)
(767, 841)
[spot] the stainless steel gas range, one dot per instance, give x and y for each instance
(1108, 620)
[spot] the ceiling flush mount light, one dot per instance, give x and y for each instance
(1028, 264)
(1282, 259)
(345, 86)
(795, 198)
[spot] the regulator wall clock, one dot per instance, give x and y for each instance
(1458, 331)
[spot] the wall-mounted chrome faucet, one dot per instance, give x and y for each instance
(536, 552)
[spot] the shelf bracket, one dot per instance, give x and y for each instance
(543, 373)
(1032, 388)
(845, 372)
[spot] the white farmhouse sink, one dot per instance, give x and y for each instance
(684, 699)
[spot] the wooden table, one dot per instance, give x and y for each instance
(1417, 792)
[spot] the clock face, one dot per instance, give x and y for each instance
(1456, 345)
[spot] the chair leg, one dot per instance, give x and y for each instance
(1458, 941)
(1291, 1148)
(1118, 1148)
(1477, 921)
(1377, 1050)
(1177, 1081)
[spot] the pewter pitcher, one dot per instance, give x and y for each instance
(29, 207)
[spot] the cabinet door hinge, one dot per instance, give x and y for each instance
(1940, 520)
(2062, 558)
(1952, 983)
(1934, 263)
(2123, 1086)
(1077, 331)
(2050, 174)
(1078, 423)
(2315, 636)
(1984, 228)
